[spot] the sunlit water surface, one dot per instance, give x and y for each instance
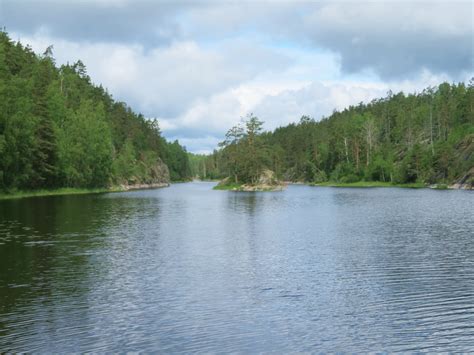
(186, 269)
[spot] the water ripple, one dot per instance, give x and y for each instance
(188, 269)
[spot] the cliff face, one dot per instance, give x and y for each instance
(466, 182)
(159, 173)
(154, 176)
(465, 158)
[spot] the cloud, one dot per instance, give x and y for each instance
(397, 39)
(394, 39)
(199, 66)
(278, 104)
(166, 81)
(201, 145)
(120, 21)
(320, 98)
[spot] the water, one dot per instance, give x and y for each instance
(187, 269)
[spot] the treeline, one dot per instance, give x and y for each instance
(425, 137)
(57, 129)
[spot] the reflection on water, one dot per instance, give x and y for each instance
(187, 268)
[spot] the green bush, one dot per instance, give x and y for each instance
(349, 178)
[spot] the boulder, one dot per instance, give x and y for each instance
(158, 175)
(466, 182)
(267, 181)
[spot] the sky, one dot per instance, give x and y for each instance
(200, 66)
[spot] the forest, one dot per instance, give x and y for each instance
(424, 138)
(58, 129)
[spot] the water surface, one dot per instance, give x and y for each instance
(187, 269)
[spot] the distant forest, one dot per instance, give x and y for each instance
(425, 137)
(57, 129)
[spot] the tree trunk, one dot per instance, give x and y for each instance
(357, 152)
(431, 127)
(345, 147)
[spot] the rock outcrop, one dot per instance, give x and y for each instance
(466, 182)
(156, 176)
(266, 182)
(159, 173)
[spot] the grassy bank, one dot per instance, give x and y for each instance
(229, 186)
(417, 185)
(361, 184)
(55, 192)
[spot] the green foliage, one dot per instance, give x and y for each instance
(178, 162)
(85, 148)
(59, 130)
(319, 177)
(364, 184)
(205, 167)
(15, 194)
(379, 169)
(344, 172)
(125, 163)
(245, 153)
(423, 138)
(230, 186)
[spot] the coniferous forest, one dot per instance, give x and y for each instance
(319, 199)
(424, 138)
(57, 129)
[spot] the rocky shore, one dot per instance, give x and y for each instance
(466, 182)
(158, 176)
(266, 182)
(144, 186)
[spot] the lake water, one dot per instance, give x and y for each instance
(186, 269)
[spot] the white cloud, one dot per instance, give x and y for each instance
(166, 81)
(201, 145)
(279, 104)
(396, 39)
(200, 67)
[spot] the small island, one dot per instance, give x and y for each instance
(266, 182)
(422, 140)
(247, 159)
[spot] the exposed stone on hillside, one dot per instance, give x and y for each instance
(143, 186)
(465, 153)
(466, 182)
(157, 175)
(266, 182)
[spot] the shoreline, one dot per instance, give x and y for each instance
(64, 191)
(250, 188)
(358, 184)
(232, 187)
(143, 186)
(369, 184)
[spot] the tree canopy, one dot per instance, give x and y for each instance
(422, 137)
(57, 129)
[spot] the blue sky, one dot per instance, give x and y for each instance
(199, 66)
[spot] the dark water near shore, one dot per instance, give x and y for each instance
(187, 269)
